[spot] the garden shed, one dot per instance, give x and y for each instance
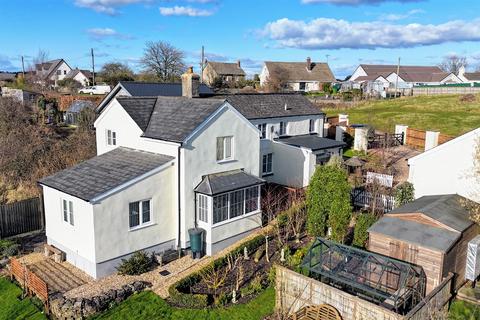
(432, 232)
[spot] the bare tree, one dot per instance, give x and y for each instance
(35, 78)
(276, 82)
(453, 63)
(164, 60)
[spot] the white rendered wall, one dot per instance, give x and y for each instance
(291, 165)
(296, 125)
(447, 169)
(77, 239)
(359, 72)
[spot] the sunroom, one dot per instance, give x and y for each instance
(227, 207)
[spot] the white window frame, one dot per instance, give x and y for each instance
(312, 125)
(111, 137)
(282, 131)
(262, 127)
(224, 149)
(265, 161)
(240, 216)
(68, 212)
(140, 215)
(203, 207)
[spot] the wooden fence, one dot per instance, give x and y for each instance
(21, 217)
(29, 281)
(418, 91)
(417, 138)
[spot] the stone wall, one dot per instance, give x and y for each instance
(62, 308)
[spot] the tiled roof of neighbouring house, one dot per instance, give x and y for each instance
(45, 69)
(74, 72)
(94, 177)
(154, 89)
(312, 142)
(264, 105)
(217, 183)
(472, 76)
(297, 71)
(407, 73)
(169, 118)
(227, 68)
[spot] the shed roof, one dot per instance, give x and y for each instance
(438, 239)
(447, 209)
(217, 183)
(227, 68)
(105, 172)
(311, 141)
(297, 71)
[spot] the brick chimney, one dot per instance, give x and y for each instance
(190, 84)
(309, 64)
(238, 63)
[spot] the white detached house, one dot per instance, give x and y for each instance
(168, 164)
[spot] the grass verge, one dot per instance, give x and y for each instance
(11, 307)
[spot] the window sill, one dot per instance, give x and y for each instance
(225, 161)
(142, 226)
(268, 174)
(219, 224)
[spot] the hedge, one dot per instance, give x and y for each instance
(180, 293)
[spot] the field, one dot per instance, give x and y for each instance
(11, 307)
(147, 305)
(447, 114)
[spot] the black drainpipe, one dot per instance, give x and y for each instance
(179, 200)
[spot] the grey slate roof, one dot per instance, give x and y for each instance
(407, 73)
(169, 118)
(417, 233)
(297, 71)
(446, 209)
(227, 68)
(264, 105)
(103, 173)
(79, 105)
(217, 183)
(154, 89)
(311, 141)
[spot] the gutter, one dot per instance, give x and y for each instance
(179, 199)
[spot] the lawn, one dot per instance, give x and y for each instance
(460, 310)
(147, 305)
(447, 113)
(11, 307)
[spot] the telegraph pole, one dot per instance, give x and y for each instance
(202, 64)
(93, 66)
(328, 56)
(396, 81)
(23, 68)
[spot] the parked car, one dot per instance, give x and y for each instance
(98, 89)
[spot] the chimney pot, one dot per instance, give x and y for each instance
(238, 63)
(309, 64)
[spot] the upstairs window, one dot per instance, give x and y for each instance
(302, 86)
(59, 72)
(67, 208)
(224, 148)
(139, 213)
(267, 164)
(283, 128)
(263, 130)
(111, 138)
(312, 126)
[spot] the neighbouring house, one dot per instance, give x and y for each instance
(228, 72)
(432, 232)
(84, 77)
(297, 76)
(381, 78)
(451, 167)
(72, 114)
(26, 97)
(468, 77)
(149, 89)
(50, 72)
(7, 77)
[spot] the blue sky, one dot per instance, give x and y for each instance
(348, 31)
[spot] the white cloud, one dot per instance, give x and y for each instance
(102, 33)
(356, 2)
(324, 33)
(401, 16)
(106, 6)
(185, 11)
